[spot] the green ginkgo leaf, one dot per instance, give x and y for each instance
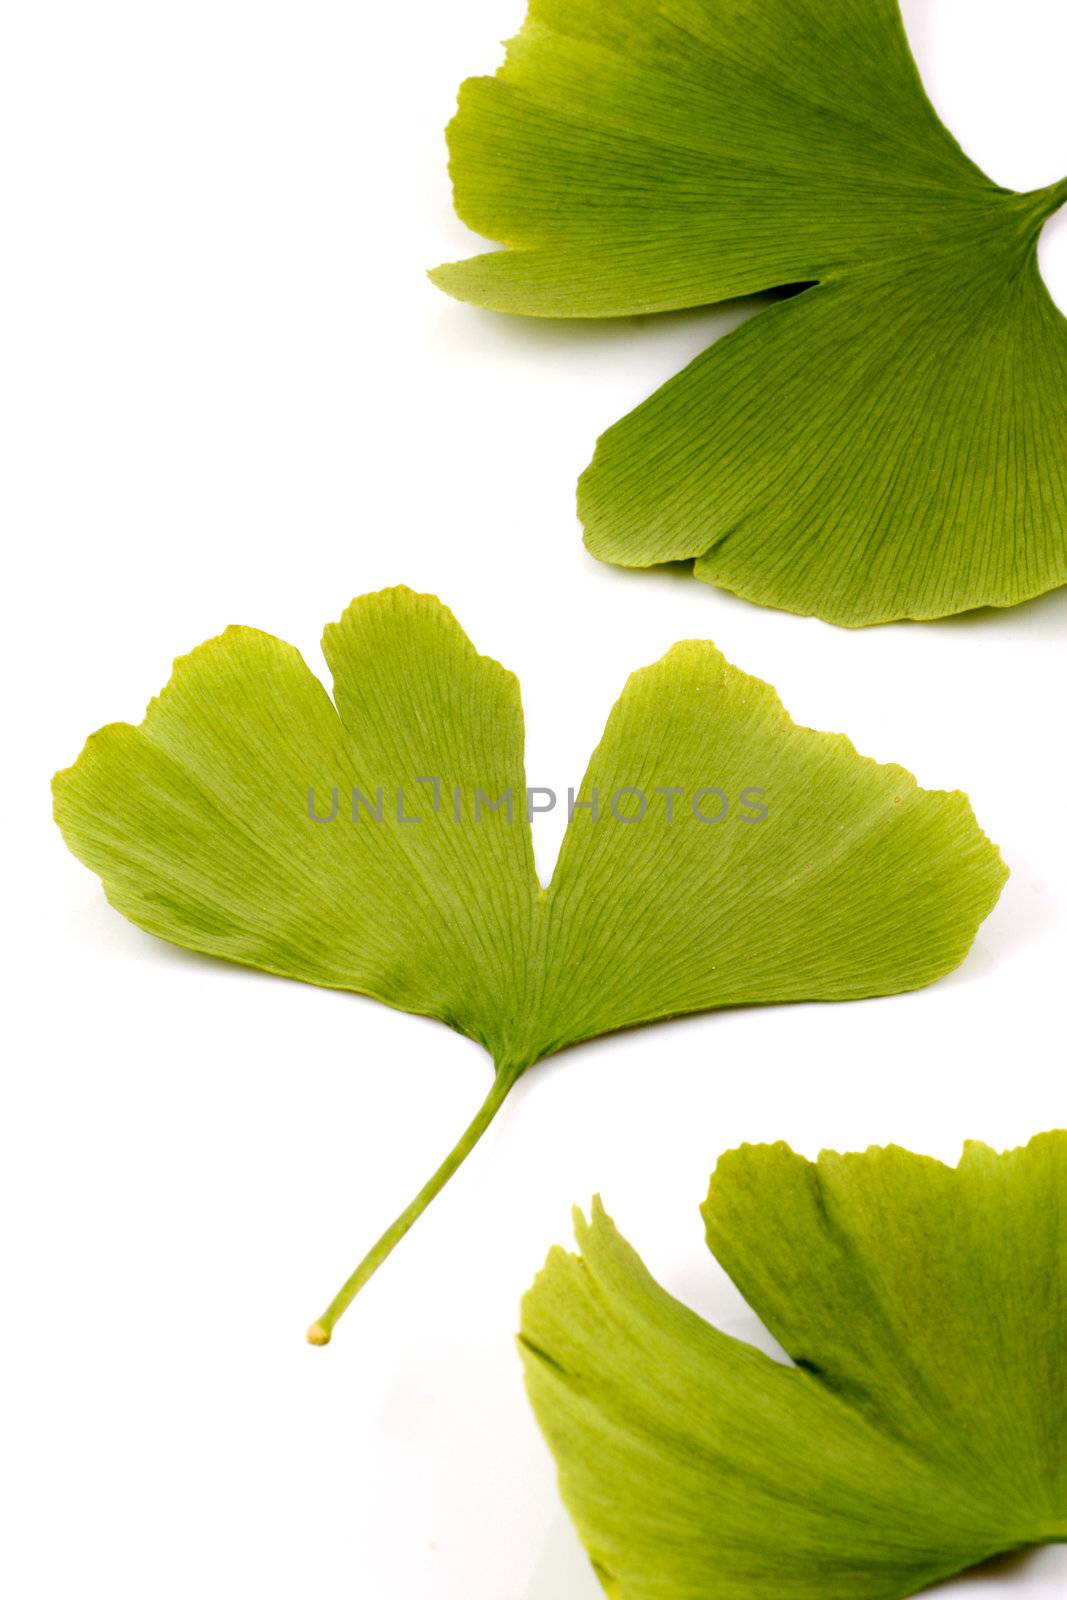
(718, 854)
(922, 1430)
(890, 443)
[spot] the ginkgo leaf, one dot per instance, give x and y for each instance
(718, 854)
(922, 1430)
(892, 442)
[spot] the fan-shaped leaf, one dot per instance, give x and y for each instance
(922, 1430)
(718, 854)
(890, 443)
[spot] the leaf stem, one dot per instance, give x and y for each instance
(1051, 199)
(321, 1330)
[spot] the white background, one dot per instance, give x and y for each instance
(231, 395)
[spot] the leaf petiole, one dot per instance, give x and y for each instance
(321, 1331)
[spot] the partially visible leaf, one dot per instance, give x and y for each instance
(855, 882)
(890, 443)
(922, 1430)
